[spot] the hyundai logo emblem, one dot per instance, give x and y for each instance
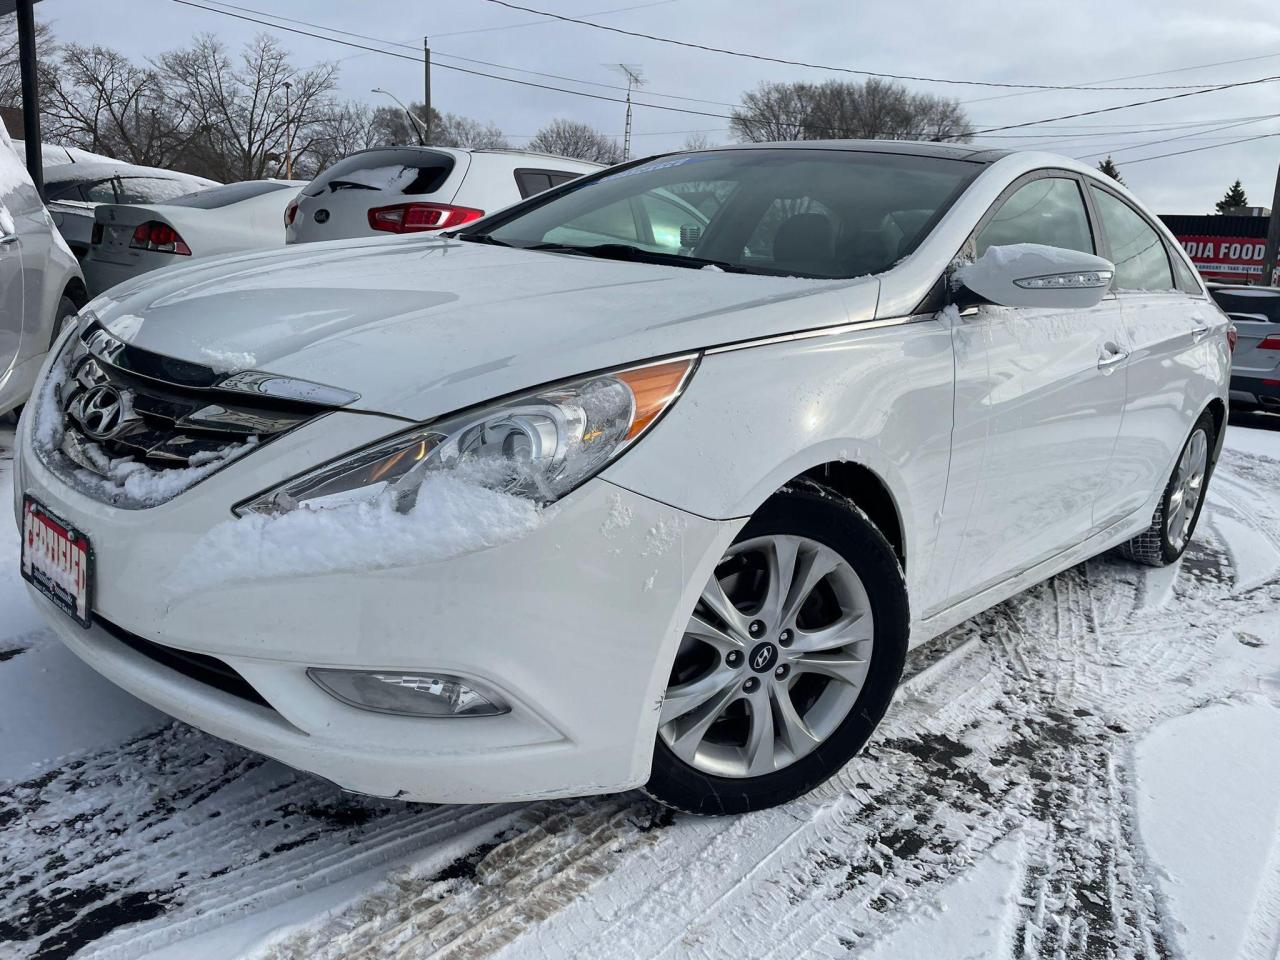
(102, 412)
(763, 657)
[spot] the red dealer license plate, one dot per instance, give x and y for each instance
(58, 560)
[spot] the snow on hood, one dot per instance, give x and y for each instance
(423, 326)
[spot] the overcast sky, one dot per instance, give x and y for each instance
(1019, 42)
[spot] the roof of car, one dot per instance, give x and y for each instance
(532, 153)
(918, 148)
(97, 171)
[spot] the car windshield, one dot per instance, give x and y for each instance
(799, 212)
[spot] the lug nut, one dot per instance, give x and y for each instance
(750, 685)
(733, 658)
(785, 638)
(756, 628)
(782, 671)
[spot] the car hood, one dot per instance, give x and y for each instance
(420, 327)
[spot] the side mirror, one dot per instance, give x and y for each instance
(1034, 275)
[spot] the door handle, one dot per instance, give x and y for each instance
(1199, 332)
(1111, 355)
(8, 239)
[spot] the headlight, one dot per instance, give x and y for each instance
(538, 445)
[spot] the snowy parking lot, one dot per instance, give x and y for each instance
(1089, 770)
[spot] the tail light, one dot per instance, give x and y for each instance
(1233, 335)
(1270, 343)
(417, 217)
(96, 237)
(291, 213)
(159, 238)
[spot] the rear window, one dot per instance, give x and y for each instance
(216, 197)
(530, 182)
(149, 189)
(403, 170)
(795, 211)
(1264, 300)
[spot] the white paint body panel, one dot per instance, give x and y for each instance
(1008, 452)
(36, 268)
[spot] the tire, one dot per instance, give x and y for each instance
(837, 669)
(1160, 545)
(66, 310)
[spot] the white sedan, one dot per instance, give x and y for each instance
(501, 514)
(132, 239)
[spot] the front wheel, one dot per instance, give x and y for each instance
(789, 660)
(1175, 518)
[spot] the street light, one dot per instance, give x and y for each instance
(417, 124)
(288, 134)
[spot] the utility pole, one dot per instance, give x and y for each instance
(30, 92)
(426, 85)
(632, 73)
(1273, 239)
(288, 134)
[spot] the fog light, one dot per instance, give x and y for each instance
(410, 694)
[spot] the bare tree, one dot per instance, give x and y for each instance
(572, 138)
(10, 75)
(239, 106)
(872, 109)
(346, 128)
(697, 141)
(97, 99)
(391, 126)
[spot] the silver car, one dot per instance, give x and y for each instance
(40, 283)
(1255, 367)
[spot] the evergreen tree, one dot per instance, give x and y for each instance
(1108, 166)
(1233, 198)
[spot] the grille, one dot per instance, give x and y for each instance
(122, 403)
(204, 669)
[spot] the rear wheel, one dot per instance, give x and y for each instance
(789, 660)
(1179, 510)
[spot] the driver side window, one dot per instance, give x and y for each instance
(1048, 211)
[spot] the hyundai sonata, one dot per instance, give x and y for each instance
(648, 481)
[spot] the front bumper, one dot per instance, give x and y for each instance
(576, 625)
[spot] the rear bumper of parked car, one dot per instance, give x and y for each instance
(573, 625)
(1256, 391)
(102, 275)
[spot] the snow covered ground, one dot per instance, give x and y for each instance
(1091, 770)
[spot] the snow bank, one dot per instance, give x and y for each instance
(453, 516)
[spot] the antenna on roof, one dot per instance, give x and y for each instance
(634, 79)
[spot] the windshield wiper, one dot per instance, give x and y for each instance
(625, 251)
(477, 238)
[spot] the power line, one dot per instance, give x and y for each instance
(1185, 136)
(1140, 76)
(686, 110)
(538, 23)
(1119, 106)
(820, 66)
(1214, 146)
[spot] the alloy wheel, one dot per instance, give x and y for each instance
(1187, 489)
(772, 661)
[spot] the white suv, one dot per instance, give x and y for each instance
(418, 189)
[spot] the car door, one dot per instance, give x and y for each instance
(1039, 398)
(11, 292)
(1167, 329)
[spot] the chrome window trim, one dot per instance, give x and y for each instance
(821, 332)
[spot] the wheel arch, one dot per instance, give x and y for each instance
(868, 491)
(76, 292)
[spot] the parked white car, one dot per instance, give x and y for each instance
(40, 284)
(494, 516)
(416, 189)
(132, 239)
(73, 190)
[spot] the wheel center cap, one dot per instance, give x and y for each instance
(763, 657)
